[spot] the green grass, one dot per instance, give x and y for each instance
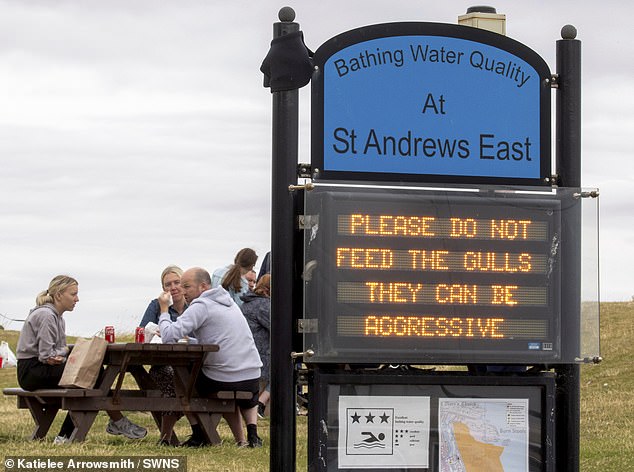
(607, 417)
(16, 427)
(607, 396)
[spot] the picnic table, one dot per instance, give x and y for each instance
(121, 358)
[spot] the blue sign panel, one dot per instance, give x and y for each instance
(447, 103)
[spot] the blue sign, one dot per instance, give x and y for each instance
(431, 105)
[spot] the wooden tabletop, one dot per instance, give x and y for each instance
(158, 347)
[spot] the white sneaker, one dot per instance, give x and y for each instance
(61, 440)
(126, 428)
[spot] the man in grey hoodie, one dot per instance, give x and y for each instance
(214, 318)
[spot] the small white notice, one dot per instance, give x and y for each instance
(383, 432)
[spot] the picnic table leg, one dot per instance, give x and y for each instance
(181, 374)
(158, 419)
(83, 421)
(107, 379)
(43, 415)
(184, 383)
(122, 370)
(145, 382)
(209, 423)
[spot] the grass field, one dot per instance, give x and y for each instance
(607, 417)
(607, 396)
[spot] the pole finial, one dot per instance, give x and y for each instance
(568, 32)
(286, 14)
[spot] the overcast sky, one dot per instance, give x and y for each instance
(137, 133)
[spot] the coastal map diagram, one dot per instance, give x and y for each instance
(383, 432)
(483, 435)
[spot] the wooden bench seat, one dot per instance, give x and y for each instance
(52, 392)
(89, 392)
(232, 395)
(43, 404)
(84, 404)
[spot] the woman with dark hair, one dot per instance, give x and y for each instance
(232, 277)
(42, 352)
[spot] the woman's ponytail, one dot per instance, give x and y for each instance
(43, 298)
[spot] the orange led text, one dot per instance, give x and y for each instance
(430, 326)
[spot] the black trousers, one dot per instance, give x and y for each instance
(33, 374)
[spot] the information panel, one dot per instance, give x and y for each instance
(417, 276)
(430, 102)
(438, 422)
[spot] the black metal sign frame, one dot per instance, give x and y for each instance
(431, 30)
(324, 428)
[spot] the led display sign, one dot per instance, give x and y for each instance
(415, 276)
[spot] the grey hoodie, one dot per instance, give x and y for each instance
(214, 318)
(43, 335)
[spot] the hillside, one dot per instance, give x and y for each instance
(607, 402)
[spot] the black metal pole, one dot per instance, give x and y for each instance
(568, 149)
(568, 152)
(285, 151)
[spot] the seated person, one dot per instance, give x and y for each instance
(213, 318)
(232, 278)
(251, 278)
(257, 310)
(42, 352)
(163, 375)
(170, 282)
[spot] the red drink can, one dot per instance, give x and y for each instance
(139, 335)
(109, 333)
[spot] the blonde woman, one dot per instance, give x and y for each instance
(163, 375)
(170, 282)
(42, 351)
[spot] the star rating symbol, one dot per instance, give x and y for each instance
(355, 418)
(384, 417)
(369, 418)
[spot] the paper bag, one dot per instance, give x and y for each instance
(84, 363)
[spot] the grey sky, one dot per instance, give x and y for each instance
(136, 134)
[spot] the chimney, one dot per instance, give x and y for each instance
(484, 17)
